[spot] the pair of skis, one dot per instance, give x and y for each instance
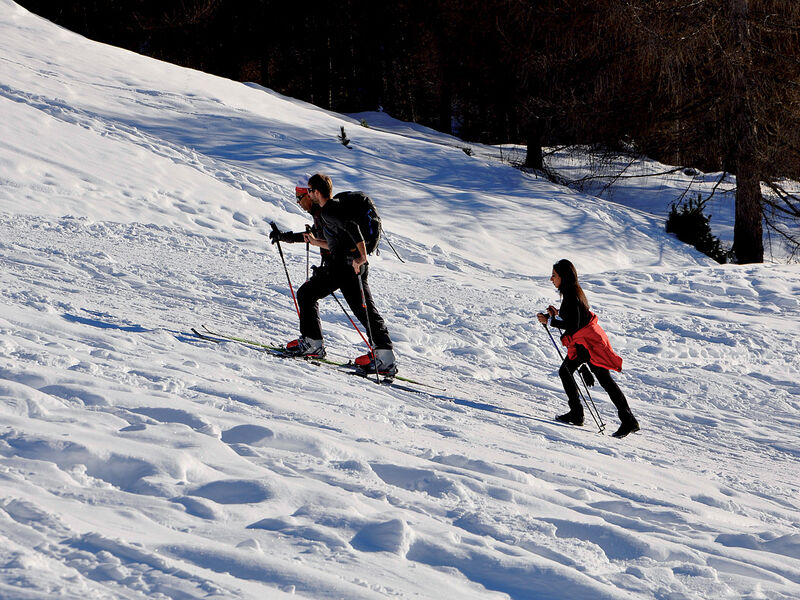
(204, 333)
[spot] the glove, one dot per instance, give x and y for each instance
(276, 236)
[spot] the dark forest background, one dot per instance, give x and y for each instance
(711, 84)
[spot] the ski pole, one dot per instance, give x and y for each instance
(308, 260)
(369, 346)
(598, 420)
(280, 251)
(552, 339)
(601, 425)
(369, 327)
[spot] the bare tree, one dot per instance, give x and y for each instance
(726, 95)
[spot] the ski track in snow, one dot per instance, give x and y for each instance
(138, 461)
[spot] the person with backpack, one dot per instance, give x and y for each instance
(346, 229)
(586, 342)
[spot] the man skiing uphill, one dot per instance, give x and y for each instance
(345, 268)
(586, 342)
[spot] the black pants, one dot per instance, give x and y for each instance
(329, 278)
(603, 377)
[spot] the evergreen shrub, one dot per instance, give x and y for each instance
(691, 226)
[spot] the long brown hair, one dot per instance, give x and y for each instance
(569, 282)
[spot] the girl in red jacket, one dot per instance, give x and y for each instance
(586, 342)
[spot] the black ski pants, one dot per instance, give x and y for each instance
(603, 376)
(327, 279)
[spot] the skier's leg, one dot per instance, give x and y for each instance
(614, 392)
(381, 343)
(320, 285)
(352, 294)
(570, 387)
(628, 423)
(377, 324)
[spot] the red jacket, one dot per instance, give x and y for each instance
(594, 339)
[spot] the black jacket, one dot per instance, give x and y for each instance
(572, 316)
(341, 231)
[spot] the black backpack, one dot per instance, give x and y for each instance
(360, 208)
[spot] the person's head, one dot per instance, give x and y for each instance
(301, 193)
(565, 275)
(303, 198)
(320, 187)
(565, 278)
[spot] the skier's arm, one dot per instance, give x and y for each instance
(566, 318)
(288, 237)
(292, 238)
(362, 256)
(351, 228)
(315, 241)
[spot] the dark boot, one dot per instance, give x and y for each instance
(630, 425)
(571, 418)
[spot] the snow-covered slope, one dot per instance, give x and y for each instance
(140, 462)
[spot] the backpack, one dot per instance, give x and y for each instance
(360, 208)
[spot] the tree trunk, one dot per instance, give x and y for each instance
(748, 234)
(534, 138)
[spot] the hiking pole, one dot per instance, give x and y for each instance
(552, 339)
(280, 251)
(599, 420)
(600, 425)
(369, 346)
(369, 327)
(308, 252)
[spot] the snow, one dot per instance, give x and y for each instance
(138, 461)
